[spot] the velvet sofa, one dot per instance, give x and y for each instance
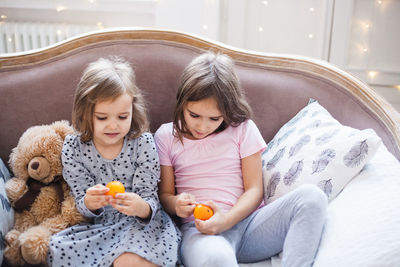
(37, 87)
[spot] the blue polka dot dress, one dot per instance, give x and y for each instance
(110, 232)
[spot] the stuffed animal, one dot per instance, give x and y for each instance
(41, 198)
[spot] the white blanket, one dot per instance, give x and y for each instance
(363, 222)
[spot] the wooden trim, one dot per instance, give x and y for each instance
(317, 68)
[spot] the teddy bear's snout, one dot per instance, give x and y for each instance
(39, 168)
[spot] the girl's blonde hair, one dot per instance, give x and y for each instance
(211, 75)
(107, 79)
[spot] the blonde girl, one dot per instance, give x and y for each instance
(113, 144)
(211, 154)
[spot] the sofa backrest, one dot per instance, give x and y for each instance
(37, 87)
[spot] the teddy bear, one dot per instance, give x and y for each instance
(38, 193)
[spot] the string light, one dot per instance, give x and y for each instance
(380, 2)
(310, 36)
(312, 9)
(3, 16)
(59, 32)
(9, 39)
(372, 74)
(260, 29)
(205, 27)
(365, 50)
(60, 8)
(92, 1)
(265, 2)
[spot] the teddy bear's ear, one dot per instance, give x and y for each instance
(12, 158)
(62, 128)
(17, 162)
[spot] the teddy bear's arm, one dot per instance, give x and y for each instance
(70, 212)
(15, 189)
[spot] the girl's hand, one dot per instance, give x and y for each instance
(184, 205)
(95, 198)
(131, 204)
(216, 224)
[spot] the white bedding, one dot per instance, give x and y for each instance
(363, 222)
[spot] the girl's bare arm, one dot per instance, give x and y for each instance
(246, 204)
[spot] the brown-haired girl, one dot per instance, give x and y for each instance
(112, 144)
(211, 154)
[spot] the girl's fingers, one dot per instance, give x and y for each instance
(96, 203)
(189, 208)
(123, 196)
(201, 226)
(125, 209)
(188, 198)
(118, 207)
(122, 202)
(100, 198)
(212, 205)
(185, 211)
(97, 190)
(184, 202)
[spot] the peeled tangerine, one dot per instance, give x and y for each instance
(115, 187)
(203, 212)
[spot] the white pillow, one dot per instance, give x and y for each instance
(363, 222)
(314, 148)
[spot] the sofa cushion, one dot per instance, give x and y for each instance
(314, 148)
(6, 212)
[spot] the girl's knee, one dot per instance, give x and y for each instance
(218, 258)
(215, 254)
(131, 259)
(312, 197)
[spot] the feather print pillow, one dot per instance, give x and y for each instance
(314, 148)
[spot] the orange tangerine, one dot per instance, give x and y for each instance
(115, 187)
(203, 212)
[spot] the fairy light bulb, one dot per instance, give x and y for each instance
(367, 26)
(60, 8)
(260, 29)
(205, 27)
(372, 74)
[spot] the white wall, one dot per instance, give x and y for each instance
(359, 36)
(198, 17)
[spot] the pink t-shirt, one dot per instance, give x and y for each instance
(210, 168)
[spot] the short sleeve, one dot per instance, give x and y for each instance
(163, 138)
(76, 175)
(250, 139)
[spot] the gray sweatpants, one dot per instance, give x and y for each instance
(292, 223)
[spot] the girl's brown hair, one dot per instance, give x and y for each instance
(107, 79)
(211, 75)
